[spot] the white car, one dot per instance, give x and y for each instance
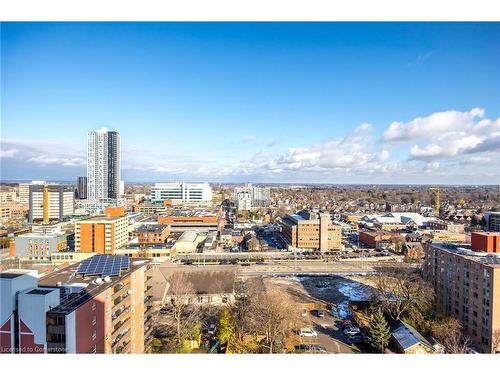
(308, 332)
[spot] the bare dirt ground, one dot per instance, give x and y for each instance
(318, 292)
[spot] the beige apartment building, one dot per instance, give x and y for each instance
(8, 196)
(467, 287)
(446, 226)
(312, 230)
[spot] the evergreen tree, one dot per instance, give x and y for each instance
(378, 332)
(226, 328)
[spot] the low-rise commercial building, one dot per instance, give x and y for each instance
(150, 234)
(40, 246)
(189, 242)
(446, 226)
(182, 220)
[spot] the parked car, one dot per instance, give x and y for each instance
(164, 310)
(355, 339)
(351, 330)
(211, 329)
(345, 323)
(308, 332)
(320, 313)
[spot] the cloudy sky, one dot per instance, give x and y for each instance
(332, 103)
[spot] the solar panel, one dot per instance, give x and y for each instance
(103, 265)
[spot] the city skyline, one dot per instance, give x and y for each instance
(294, 102)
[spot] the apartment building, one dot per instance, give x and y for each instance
(103, 164)
(50, 202)
(101, 234)
(492, 221)
(467, 286)
(78, 309)
(182, 192)
(248, 197)
(312, 230)
(81, 188)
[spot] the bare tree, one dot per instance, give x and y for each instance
(449, 332)
(183, 313)
(495, 341)
(276, 317)
(401, 291)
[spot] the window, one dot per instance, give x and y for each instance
(93, 307)
(93, 350)
(94, 320)
(94, 335)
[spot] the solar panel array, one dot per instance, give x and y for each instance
(103, 265)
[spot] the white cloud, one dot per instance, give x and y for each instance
(10, 153)
(65, 160)
(248, 139)
(432, 126)
(448, 134)
(420, 59)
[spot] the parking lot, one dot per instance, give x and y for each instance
(320, 292)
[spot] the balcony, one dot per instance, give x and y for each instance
(120, 302)
(119, 339)
(56, 329)
(120, 289)
(123, 348)
(122, 312)
(121, 327)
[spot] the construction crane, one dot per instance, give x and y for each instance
(437, 191)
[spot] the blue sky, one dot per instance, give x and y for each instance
(262, 102)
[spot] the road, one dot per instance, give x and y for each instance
(313, 267)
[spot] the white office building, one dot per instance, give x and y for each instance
(103, 164)
(181, 192)
(58, 202)
(24, 191)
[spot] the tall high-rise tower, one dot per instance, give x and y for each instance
(103, 164)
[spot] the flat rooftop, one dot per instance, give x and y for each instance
(194, 213)
(102, 218)
(465, 251)
(151, 228)
(68, 278)
(40, 291)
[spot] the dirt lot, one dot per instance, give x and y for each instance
(317, 292)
